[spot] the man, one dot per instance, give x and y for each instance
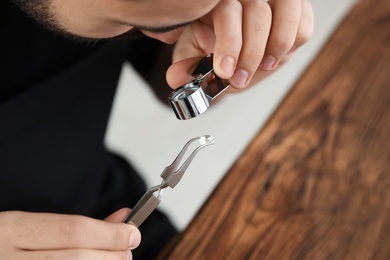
(62, 61)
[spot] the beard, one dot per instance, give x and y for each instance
(39, 11)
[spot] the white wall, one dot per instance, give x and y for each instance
(148, 134)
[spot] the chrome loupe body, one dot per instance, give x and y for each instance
(194, 98)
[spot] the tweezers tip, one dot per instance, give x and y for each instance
(206, 139)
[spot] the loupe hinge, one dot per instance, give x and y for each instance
(215, 87)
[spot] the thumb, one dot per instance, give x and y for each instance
(117, 217)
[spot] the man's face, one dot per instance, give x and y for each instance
(163, 19)
(109, 18)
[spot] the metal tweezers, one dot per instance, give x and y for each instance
(171, 176)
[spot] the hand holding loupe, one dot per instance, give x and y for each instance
(194, 98)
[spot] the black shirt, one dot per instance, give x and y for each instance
(55, 100)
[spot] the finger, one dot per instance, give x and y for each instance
(305, 30)
(256, 27)
(227, 18)
(179, 73)
(74, 254)
(198, 39)
(34, 231)
(118, 216)
(285, 22)
(306, 24)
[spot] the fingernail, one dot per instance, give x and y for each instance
(227, 65)
(239, 78)
(268, 62)
(135, 239)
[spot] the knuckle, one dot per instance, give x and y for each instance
(302, 37)
(119, 237)
(293, 19)
(250, 59)
(230, 5)
(281, 45)
(305, 31)
(261, 27)
(306, 27)
(259, 5)
(253, 54)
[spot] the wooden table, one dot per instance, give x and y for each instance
(315, 182)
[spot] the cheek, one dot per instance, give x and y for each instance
(168, 37)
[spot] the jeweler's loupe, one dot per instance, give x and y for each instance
(194, 98)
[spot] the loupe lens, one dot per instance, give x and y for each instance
(185, 91)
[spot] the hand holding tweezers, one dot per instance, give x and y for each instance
(171, 176)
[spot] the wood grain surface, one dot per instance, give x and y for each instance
(315, 182)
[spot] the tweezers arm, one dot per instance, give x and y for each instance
(142, 209)
(171, 176)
